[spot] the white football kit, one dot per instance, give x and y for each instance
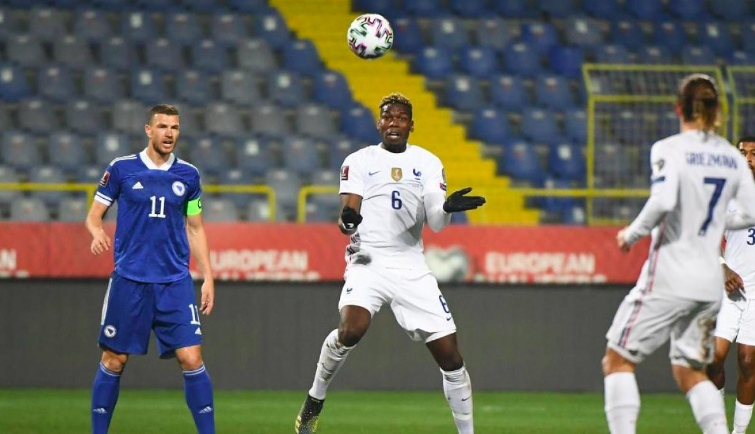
(678, 293)
(385, 263)
(736, 320)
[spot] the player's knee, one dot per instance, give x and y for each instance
(452, 363)
(747, 366)
(114, 362)
(190, 362)
(612, 362)
(350, 335)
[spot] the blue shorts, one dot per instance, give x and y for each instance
(132, 308)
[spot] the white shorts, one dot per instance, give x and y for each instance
(736, 320)
(415, 299)
(645, 321)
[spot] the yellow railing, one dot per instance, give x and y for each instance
(301, 209)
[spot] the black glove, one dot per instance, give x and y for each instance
(458, 202)
(350, 218)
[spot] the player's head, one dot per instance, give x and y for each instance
(697, 101)
(395, 122)
(162, 128)
(746, 146)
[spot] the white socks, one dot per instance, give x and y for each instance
(332, 356)
(458, 390)
(708, 408)
(742, 415)
(622, 402)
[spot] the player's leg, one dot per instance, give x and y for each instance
(105, 389)
(197, 388)
(745, 387)
(622, 396)
(715, 370)
(727, 328)
(457, 386)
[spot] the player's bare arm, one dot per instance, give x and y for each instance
(100, 240)
(201, 251)
(732, 280)
(350, 217)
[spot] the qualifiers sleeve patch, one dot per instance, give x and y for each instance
(344, 173)
(194, 207)
(105, 178)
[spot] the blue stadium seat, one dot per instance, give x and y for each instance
(670, 34)
(325, 177)
(553, 92)
(339, 150)
(48, 175)
(117, 54)
(138, 27)
(616, 54)
(434, 63)
(628, 34)
(108, 146)
(247, 6)
(183, 28)
(689, 9)
(741, 58)
(83, 117)
(521, 59)
(332, 89)
(13, 84)
(92, 25)
(285, 88)
(605, 9)
(514, 9)
(258, 210)
(253, 156)
(584, 32)
(11, 23)
(129, 116)
(201, 5)
(464, 93)
(615, 164)
(508, 92)
(73, 52)
(286, 185)
(300, 155)
(695, 55)
(37, 116)
(236, 177)
(558, 205)
(557, 8)
(73, 210)
(323, 208)
(147, 86)
(208, 56)
(228, 29)
(718, 37)
(164, 55)
(731, 10)
(540, 36)
(382, 7)
(157, 5)
(223, 120)
(748, 37)
(47, 24)
(89, 174)
(575, 122)
(239, 87)
(649, 10)
(567, 162)
(55, 83)
(408, 37)
(111, 5)
(5, 119)
(194, 88)
(469, 8)
(490, 126)
(567, 61)
(271, 27)
(301, 57)
(209, 154)
(449, 33)
(480, 62)
(102, 85)
(268, 120)
(495, 33)
(521, 162)
(653, 55)
(29, 209)
(359, 123)
(19, 150)
(315, 121)
(192, 124)
(424, 8)
(540, 126)
(25, 51)
(219, 209)
(256, 55)
(66, 150)
(8, 174)
(65, 4)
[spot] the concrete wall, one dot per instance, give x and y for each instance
(268, 335)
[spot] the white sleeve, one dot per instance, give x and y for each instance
(744, 197)
(436, 218)
(436, 178)
(664, 193)
(352, 179)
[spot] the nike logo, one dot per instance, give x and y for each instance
(449, 318)
(372, 173)
(137, 186)
(348, 290)
(467, 398)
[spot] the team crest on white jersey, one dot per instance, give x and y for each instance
(179, 188)
(397, 174)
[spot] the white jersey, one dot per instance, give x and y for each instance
(740, 254)
(393, 187)
(694, 177)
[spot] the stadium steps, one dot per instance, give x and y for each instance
(325, 22)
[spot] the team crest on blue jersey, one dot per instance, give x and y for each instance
(179, 188)
(397, 174)
(110, 331)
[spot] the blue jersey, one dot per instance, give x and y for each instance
(151, 244)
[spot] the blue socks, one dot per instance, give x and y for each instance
(198, 391)
(104, 396)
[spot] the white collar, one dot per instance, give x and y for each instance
(151, 165)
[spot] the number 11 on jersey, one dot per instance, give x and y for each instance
(154, 205)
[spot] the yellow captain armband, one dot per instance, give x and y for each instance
(194, 207)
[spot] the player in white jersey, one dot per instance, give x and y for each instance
(736, 320)
(388, 191)
(694, 176)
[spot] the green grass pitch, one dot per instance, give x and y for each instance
(41, 411)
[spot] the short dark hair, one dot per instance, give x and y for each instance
(396, 98)
(162, 109)
(746, 139)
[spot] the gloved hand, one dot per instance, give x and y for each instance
(350, 219)
(458, 202)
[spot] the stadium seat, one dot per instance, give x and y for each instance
(300, 156)
(73, 210)
(359, 123)
(558, 205)
(670, 34)
(102, 85)
(210, 57)
(138, 27)
(47, 24)
(521, 59)
(576, 126)
(236, 177)
(89, 174)
(183, 28)
(748, 37)
(449, 33)
(514, 9)
(192, 123)
(218, 209)
(203, 6)
(584, 32)
(567, 61)
(25, 51)
(325, 177)
(464, 93)
(8, 174)
(258, 210)
(339, 150)
(66, 151)
(13, 84)
(208, 153)
(48, 175)
(194, 88)
(92, 25)
(553, 92)
(717, 37)
(741, 58)
(83, 117)
(147, 86)
(247, 6)
(605, 9)
(253, 156)
(37, 116)
(73, 52)
(224, 120)
(323, 208)
(557, 8)
(508, 92)
(540, 126)
(697, 55)
(28, 209)
(109, 146)
(649, 10)
(129, 116)
(653, 55)
(5, 117)
(301, 57)
(731, 10)
(521, 162)
(239, 87)
(157, 5)
(117, 54)
(332, 89)
(480, 62)
(165, 55)
(540, 36)
(616, 54)
(495, 33)
(490, 126)
(382, 7)
(689, 10)
(269, 120)
(286, 185)
(285, 88)
(11, 22)
(110, 5)
(628, 34)
(256, 55)
(19, 150)
(424, 8)
(271, 27)
(408, 36)
(315, 121)
(566, 162)
(227, 29)
(615, 164)
(469, 8)
(434, 63)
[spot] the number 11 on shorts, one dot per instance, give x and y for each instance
(194, 314)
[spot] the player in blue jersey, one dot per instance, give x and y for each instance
(159, 222)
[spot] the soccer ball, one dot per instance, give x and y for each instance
(370, 36)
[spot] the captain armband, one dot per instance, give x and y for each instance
(194, 207)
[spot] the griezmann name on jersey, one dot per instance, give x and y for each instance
(150, 244)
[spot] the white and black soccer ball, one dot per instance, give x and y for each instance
(370, 36)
